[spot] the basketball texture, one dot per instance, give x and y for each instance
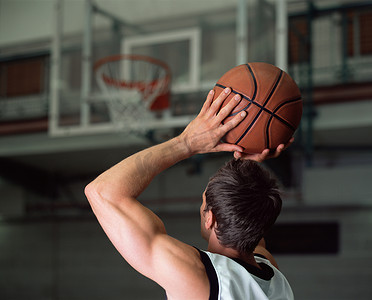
(272, 101)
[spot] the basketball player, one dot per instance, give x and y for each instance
(239, 204)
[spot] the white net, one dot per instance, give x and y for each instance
(135, 88)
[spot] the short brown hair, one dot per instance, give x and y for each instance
(245, 200)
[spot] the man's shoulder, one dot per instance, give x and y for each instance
(178, 267)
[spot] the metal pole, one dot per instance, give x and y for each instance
(115, 19)
(356, 30)
(309, 87)
(281, 41)
(195, 61)
(86, 68)
(344, 69)
(242, 33)
(55, 68)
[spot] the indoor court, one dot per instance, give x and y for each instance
(87, 83)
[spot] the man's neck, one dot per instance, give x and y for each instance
(214, 246)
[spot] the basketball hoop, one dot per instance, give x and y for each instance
(136, 87)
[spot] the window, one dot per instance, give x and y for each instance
(22, 77)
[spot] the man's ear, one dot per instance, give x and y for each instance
(210, 219)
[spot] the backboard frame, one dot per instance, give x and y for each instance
(192, 35)
(88, 97)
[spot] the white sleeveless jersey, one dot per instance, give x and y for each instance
(233, 279)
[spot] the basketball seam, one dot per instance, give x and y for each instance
(274, 88)
(280, 119)
(280, 106)
(254, 81)
(262, 108)
(252, 102)
(241, 94)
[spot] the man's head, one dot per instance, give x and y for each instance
(245, 202)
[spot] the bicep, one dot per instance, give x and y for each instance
(140, 237)
(179, 269)
(131, 228)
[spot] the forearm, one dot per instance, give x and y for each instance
(131, 176)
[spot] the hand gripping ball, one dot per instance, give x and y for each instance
(272, 101)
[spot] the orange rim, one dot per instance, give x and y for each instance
(133, 84)
(161, 101)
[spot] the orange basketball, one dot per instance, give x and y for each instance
(272, 101)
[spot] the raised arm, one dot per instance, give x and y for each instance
(136, 232)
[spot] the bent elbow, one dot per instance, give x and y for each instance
(99, 191)
(95, 191)
(91, 192)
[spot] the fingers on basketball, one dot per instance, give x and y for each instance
(233, 122)
(228, 108)
(216, 104)
(207, 102)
